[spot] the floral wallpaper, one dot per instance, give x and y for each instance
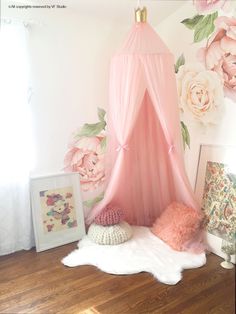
(200, 93)
(202, 85)
(85, 155)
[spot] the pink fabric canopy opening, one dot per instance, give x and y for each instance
(144, 162)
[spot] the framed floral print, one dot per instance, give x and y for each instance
(57, 210)
(215, 189)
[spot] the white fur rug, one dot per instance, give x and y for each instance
(143, 252)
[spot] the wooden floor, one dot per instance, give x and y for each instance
(33, 282)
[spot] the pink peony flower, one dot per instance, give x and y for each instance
(86, 157)
(200, 93)
(220, 54)
(211, 5)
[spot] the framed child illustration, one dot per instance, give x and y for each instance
(57, 210)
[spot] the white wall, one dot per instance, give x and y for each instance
(70, 76)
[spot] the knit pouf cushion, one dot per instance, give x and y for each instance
(110, 215)
(110, 235)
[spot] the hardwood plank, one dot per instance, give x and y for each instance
(218, 289)
(163, 297)
(41, 295)
(26, 262)
(33, 282)
(105, 290)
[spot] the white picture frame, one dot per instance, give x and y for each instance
(57, 210)
(214, 156)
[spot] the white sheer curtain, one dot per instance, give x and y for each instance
(16, 149)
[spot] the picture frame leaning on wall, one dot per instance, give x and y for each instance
(215, 189)
(57, 210)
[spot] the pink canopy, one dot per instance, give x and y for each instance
(144, 163)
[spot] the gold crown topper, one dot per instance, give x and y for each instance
(141, 15)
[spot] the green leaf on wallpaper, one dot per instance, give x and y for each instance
(179, 62)
(90, 203)
(92, 129)
(101, 114)
(205, 27)
(192, 22)
(103, 144)
(185, 135)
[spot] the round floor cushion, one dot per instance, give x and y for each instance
(110, 235)
(110, 215)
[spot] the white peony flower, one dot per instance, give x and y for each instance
(200, 93)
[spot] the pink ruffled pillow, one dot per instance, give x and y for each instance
(177, 225)
(110, 215)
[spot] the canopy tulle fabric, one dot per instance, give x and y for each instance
(144, 163)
